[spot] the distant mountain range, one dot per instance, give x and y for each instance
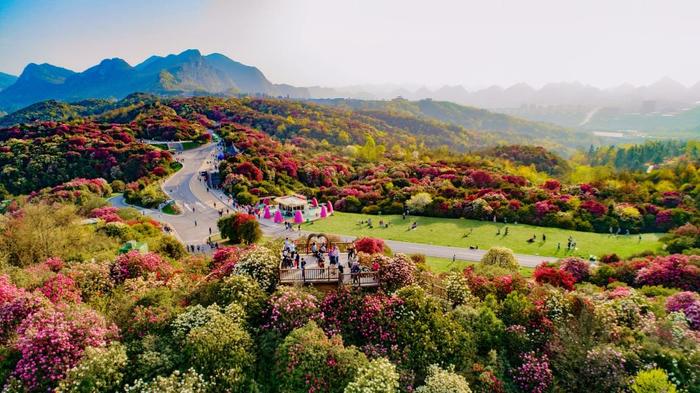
(665, 94)
(187, 73)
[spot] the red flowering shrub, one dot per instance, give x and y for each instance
(673, 271)
(13, 312)
(499, 285)
(577, 267)
(134, 264)
(60, 288)
(369, 245)
(224, 260)
(551, 185)
(597, 209)
(50, 342)
(542, 208)
(546, 273)
(8, 291)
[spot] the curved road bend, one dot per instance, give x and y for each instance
(199, 205)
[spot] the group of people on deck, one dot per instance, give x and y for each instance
(292, 259)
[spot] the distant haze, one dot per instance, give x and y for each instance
(338, 43)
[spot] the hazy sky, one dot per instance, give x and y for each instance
(334, 43)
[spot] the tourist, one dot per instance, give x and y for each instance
(296, 260)
(314, 248)
(544, 237)
(351, 251)
(375, 266)
(355, 272)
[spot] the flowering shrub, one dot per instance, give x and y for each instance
(189, 381)
(577, 267)
(100, 370)
(134, 264)
(8, 291)
(55, 264)
(61, 288)
(15, 311)
(240, 228)
(673, 271)
(51, 342)
(106, 214)
(440, 380)
(457, 288)
(369, 245)
(689, 304)
(224, 260)
(398, 273)
(379, 376)
(91, 278)
(534, 374)
(493, 280)
(291, 308)
(604, 370)
(546, 273)
(309, 361)
(260, 264)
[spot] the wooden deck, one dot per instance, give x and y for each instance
(313, 274)
(329, 275)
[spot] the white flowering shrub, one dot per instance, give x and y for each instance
(379, 376)
(443, 381)
(188, 382)
(262, 265)
(100, 370)
(457, 290)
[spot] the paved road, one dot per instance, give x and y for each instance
(203, 206)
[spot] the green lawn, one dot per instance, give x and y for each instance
(440, 265)
(465, 233)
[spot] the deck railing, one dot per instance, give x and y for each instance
(328, 275)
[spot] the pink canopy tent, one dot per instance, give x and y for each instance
(298, 217)
(314, 202)
(266, 213)
(324, 213)
(330, 207)
(278, 217)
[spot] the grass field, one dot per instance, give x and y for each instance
(465, 233)
(440, 265)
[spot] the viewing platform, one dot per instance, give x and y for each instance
(313, 274)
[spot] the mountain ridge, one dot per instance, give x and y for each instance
(185, 73)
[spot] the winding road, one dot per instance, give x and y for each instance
(200, 212)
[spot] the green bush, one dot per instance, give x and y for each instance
(100, 370)
(501, 257)
(652, 381)
(444, 381)
(379, 376)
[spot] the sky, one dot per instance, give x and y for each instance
(338, 43)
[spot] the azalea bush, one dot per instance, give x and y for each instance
(400, 271)
(134, 264)
(546, 273)
(689, 304)
(369, 245)
(379, 376)
(441, 380)
(240, 228)
(534, 374)
(262, 265)
(61, 288)
(291, 308)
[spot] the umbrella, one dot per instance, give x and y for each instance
(266, 213)
(314, 202)
(330, 207)
(324, 213)
(278, 217)
(298, 218)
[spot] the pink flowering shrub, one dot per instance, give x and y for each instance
(224, 260)
(398, 273)
(8, 291)
(534, 375)
(366, 321)
(134, 264)
(673, 271)
(50, 342)
(292, 308)
(60, 288)
(689, 304)
(107, 214)
(55, 264)
(13, 312)
(577, 267)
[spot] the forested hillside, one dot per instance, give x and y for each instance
(640, 157)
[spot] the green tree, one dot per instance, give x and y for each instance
(240, 228)
(501, 257)
(652, 381)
